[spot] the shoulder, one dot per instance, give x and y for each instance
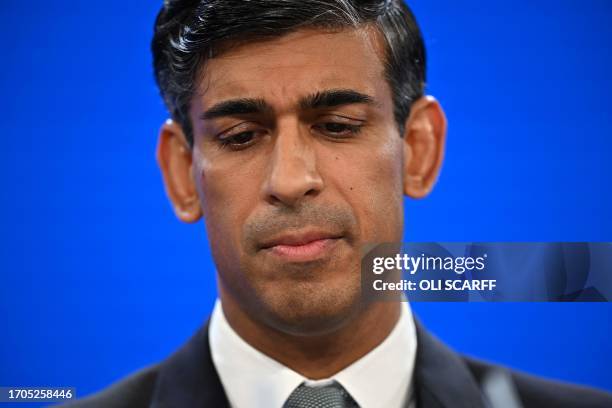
(187, 378)
(134, 391)
(535, 391)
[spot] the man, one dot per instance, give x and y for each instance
(297, 127)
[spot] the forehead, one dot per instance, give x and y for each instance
(282, 70)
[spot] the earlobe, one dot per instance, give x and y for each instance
(174, 158)
(424, 141)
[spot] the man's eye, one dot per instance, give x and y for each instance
(338, 130)
(239, 140)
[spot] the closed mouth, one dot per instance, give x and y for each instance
(301, 246)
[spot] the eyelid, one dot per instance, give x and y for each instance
(350, 129)
(341, 118)
(236, 129)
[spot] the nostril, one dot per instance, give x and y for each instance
(274, 200)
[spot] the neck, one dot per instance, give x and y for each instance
(319, 356)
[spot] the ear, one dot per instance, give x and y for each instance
(174, 158)
(424, 140)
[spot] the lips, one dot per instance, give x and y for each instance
(298, 239)
(301, 246)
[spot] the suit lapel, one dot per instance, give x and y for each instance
(189, 378)
(442, 379)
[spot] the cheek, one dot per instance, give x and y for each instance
(227, 193)
(371, 182)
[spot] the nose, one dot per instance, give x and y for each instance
(293, 174)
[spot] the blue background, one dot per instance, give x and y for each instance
(97, 277)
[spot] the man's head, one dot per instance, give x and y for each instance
(298, 126)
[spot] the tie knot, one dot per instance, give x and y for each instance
(328, 396)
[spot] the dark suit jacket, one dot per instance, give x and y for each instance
(442, 379)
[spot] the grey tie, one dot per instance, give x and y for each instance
(329, 396)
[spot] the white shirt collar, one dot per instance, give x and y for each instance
(381, 378)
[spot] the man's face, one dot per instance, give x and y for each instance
(298, 163)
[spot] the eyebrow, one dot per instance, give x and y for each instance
(335, 97)
(235, 107)
(322, 99)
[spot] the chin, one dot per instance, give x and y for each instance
(311, 308)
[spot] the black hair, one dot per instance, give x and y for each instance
(188, 32)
